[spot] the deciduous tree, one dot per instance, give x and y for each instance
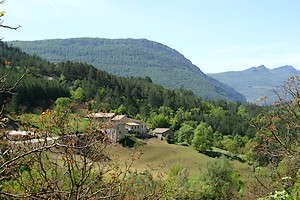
(185, 134)
(278, 138)
(203, 137)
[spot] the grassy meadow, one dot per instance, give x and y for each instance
(158, 156)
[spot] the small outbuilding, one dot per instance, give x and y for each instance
(161, 133)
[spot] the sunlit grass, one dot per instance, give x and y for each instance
(158, 156)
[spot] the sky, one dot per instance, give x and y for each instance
(216, 35)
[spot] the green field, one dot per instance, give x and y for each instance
(159, 156)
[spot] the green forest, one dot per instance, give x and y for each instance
(61, 94)
(44, 82)
(133, 58)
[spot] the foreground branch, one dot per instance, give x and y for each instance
(9, 27)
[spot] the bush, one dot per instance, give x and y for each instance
(169, 139)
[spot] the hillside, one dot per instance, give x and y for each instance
(133, 58)
(257, 82)
(44, 82)
(158, 156)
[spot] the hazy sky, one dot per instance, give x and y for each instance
(216, 35)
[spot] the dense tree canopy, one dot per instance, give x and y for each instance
(133, 58)
(44, 82)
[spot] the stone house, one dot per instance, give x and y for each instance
(114, 131)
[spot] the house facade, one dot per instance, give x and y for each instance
(114, 131)
(136, 126)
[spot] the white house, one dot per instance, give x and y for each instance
(116, 125)
(136, 126)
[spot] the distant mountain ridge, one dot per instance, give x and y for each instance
(133, 57)
(257, 82)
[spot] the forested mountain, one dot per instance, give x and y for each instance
(257, 82)
(44, 82)
(133, 58)
(47, 81)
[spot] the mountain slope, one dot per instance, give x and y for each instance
(133, 57)
(44, 82)
(257, 82)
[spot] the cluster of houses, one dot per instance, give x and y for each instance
(116, 126)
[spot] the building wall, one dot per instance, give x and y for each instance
(161, 136)
(115, 132)
(140, 128)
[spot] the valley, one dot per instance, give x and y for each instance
(212, 141)
(129, 100)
